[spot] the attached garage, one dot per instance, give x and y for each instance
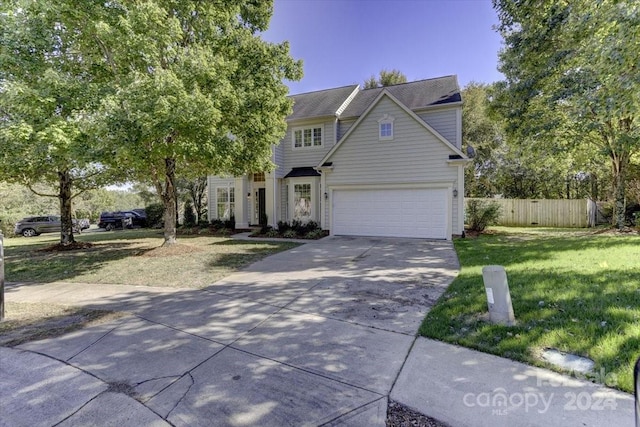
(393, 212)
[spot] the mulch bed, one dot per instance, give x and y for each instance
(68, 247)
(399, 415)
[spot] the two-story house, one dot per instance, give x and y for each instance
(374, 162)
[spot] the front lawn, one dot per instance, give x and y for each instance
(573, 290)
(133, 257)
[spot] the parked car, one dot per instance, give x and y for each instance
(112, 220)
(139, 218)
(35, 225)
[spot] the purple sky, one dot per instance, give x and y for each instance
(343, 42)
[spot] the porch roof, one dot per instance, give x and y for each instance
(303, 171)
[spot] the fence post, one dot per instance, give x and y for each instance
(1, 277)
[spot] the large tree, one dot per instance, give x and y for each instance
(198, 91)
(572, 78)
(385, 78)
(48, 90)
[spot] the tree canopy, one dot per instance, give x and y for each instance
(385, 78)
(198, 91)
(572, 80)
(47, 92)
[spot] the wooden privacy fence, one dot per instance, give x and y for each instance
(545, 212)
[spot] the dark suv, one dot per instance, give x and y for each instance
(122, 219)
(35, 225)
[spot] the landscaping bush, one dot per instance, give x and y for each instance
(189, 215)
(7, 224)
(216, 224)
(264, 224)
(481, 214)
(230, 223)
(289, 234)
(315, 234)
(155, 215)
(283, 227)
(302, 228)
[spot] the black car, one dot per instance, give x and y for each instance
(122, 219)
(112, 220)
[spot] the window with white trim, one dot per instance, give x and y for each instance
(385, 128)
(225, 202)
(302, 202)
(307, 137)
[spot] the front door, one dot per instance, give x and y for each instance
(262, 207)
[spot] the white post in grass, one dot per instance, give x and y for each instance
(498, 296)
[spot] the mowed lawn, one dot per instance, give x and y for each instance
(133, 257)
(575, 291)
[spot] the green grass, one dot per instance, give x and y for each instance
(133, 257)
(572, 290)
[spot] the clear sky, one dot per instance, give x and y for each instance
(343, 42)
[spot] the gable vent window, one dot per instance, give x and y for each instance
(307, 137)
(385, 128)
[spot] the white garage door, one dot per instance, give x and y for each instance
(391, 213)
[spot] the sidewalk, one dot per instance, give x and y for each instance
(466, 388)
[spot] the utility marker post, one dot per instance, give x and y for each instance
(498, 296)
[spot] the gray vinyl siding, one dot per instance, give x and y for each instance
(443, 121)
(415, 155)
(214, 182)
(344, 126)
(309, 156)
(278, 159)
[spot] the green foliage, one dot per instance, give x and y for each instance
(481, 214)
(189, 216)
(155, 215)
(385, 78)
(572, 83)
(283, 227)
(587, 283)
(49, 92)
(288, 234)
(216, 224)
(230, 223)
(315, 234)
(199, 91)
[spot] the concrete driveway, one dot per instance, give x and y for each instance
(313, 336)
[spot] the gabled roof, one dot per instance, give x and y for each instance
(385, 92)
(414, 95)
(321, 103)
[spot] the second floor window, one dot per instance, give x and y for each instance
(307, 137)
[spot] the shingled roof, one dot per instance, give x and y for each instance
(321, 103)
(414, 95)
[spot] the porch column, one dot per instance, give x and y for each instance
(241, 213)
(323, 200)
(270, 194)
(459, 227)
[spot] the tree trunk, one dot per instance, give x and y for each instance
(64, 195)
(169, 195)
(619, 170)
